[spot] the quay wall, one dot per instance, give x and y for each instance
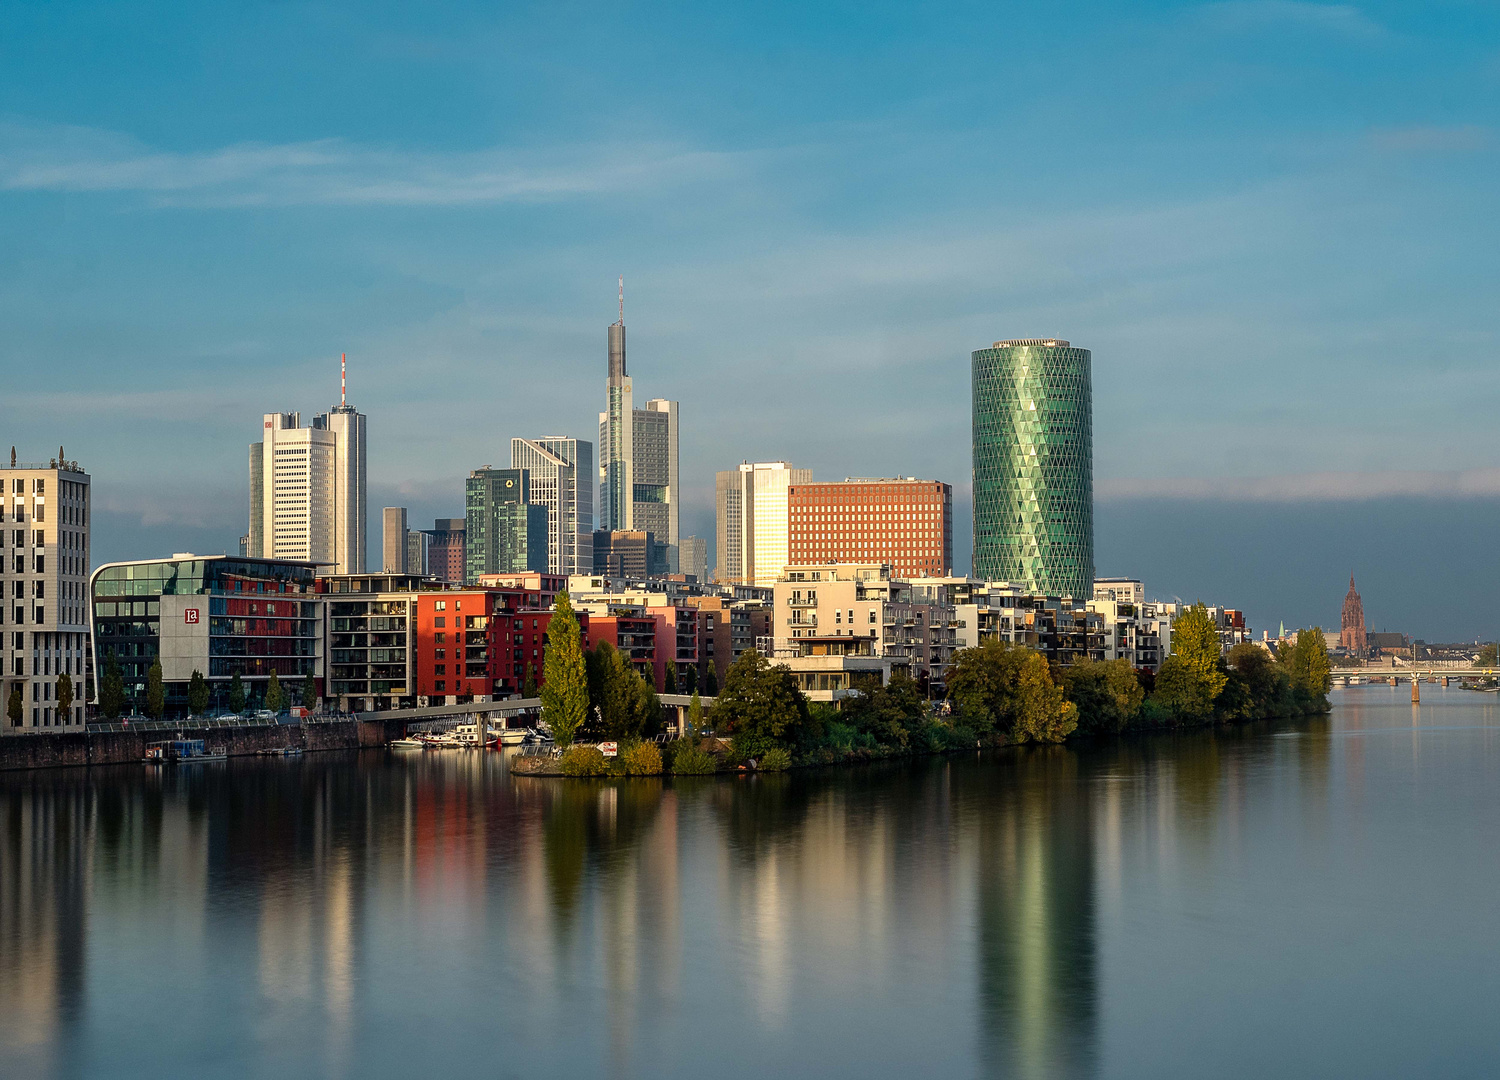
(65, 748)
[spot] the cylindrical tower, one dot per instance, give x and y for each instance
(1034, 466)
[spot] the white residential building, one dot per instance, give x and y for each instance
(562, 480)
(753, 508)
(307, 490)
(44, 615)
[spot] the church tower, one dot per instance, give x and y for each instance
(1352, 633)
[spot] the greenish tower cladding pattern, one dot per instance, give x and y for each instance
(1034, 466)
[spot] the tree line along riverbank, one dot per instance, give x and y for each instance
(997, 694)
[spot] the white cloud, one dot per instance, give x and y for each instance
(1304, 487)
(1344, 19)
(333, 171)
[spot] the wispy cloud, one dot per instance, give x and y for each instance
(334, 171)
(1306, 487)
(1343, 19)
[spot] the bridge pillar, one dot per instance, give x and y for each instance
(1416, 690)
(1445, 680)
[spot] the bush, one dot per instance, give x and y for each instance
(693, 760)
(775, 760)
(641, 759)
(584, 761)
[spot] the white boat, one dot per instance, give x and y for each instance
(411, 742)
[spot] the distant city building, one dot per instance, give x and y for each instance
(638, 468)
(1124, 590)
(1352, 637)
(445, 550)
(393, 533)
(307, 490)
(416, 553)
(692, 557)
(562, 481)
(45, 515)
(1033, 466)
(629, 554)
(753, 509)
(503, 530)
(215, 614)
(905, 523)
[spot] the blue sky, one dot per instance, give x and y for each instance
(1273, 223)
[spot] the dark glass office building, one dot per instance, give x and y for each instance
(218, 614)
(503, 531)
(1034, 466)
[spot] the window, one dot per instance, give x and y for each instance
(439, 639)
(442, 687)
(440, 621)
(441, 605)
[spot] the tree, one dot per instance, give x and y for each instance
(156, 693)
(112, 688)
(309, 692)
(711, 682)
(528, 685)
(64, 696)
(14, 707)
(197, 698)
(1489, 656)
(1192, 677)
(695, 714)
(760, 705)
(625, 703)
(1306, 664)
(1007, 690)
(689, 680)
(892, 713)
(236, 694)
(1108, 695)
(565, 690)
(669, 683)
(275, 696)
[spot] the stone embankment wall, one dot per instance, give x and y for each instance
(45, 751)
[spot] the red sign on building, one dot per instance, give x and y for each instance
(190, 615)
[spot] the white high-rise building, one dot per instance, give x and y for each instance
(44, 615)
(754, 521)
(638, 487)
(562, 480)
(307, 490)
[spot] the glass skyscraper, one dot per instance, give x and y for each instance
(1034, 466)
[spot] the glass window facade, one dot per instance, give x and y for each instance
(1034, 466)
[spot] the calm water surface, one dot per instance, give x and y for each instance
(1312, 899)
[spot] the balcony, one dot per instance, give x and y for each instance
(801, 602)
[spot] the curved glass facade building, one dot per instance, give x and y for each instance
(1034, 466)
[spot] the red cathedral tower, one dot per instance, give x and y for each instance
(1352, 634)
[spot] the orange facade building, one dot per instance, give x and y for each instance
(905, 523)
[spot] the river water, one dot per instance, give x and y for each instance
(1315, 898)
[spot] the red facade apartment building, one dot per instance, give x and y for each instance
(905, 523)
(480, 641)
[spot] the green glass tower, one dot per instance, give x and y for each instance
(1034, 466)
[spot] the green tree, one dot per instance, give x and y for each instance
(309, 692)
(1192, 677)
(890, 714)
(760, 705)
(565, 691)
(275, 697)
(1488, 656)
(197, 694)
(14, 707)
(64, 696)
(1000, 689)
(695, 714)
(1108, 695)
(689, 679)
(236, 694)
(156, 694)
(112, 688)
(626, 703)
(711, 682)
(1307, 665)
(528, 686)
(669, 683)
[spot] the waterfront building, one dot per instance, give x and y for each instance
(905, 523)
(45, 514)
(638, 466)
(562, 481)
(829, 668)
(1352, 637)
(216, 614)
(1033, 466)
(692, 558)
(917, 631)
(731, 627)
(367, 621)
(1124, 590)
(753, 509)
(307, 490)
(445, 550)
(630, 554)
(503, 530)
(479, 643)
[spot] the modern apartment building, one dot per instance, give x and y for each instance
(445, 550)
(44, 564)
(906, 523)
(371, 647)
(503, 531)
(753, 508)
(307, 490)
(638, 466)
(1034, 466)
(562, 480)
(216, 614)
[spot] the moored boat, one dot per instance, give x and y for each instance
(182, 751)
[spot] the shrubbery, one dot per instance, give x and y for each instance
(640, 759)
(584, 761)
(775, 760)
(692, 760)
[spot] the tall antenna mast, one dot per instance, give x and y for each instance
(343, 379)
(622, 299)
